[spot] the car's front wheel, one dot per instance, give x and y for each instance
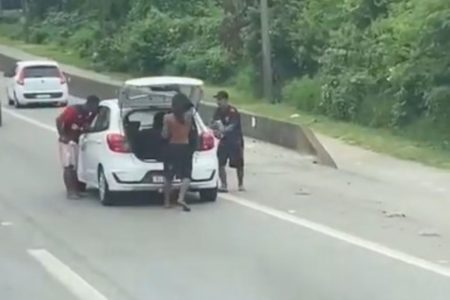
(208, 195)
(16, 102)
(105, 195)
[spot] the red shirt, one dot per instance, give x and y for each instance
(73, 120)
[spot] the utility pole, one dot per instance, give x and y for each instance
(266, 51)
(26, 19)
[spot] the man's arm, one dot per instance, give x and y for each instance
(64, 120)
(234, 121)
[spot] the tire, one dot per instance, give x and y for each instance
(82, 186)
(208, 195)
(105, 195)
(16, 103)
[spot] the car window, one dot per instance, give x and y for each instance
(145, 118)
(101, 122)
(41, 71)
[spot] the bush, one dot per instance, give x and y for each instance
(438, 103)
(38, 35)
(375, 110)
(84, 40)
(304, 94)
(212, 64)
(245, 79)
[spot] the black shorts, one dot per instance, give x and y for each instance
(178, 161)
(232, 153)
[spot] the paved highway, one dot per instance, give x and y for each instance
(300, 232)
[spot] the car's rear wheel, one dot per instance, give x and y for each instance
(208, 195)
(105, 195)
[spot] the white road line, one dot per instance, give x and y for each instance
(316, 227)
(66, 276)
(343, 236)
(29, 120)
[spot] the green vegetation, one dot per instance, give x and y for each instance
(372, 72)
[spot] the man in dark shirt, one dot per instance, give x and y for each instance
(71, 123)
(231, 146)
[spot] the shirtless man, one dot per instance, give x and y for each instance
(178, 157)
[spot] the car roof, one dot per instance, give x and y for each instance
(163, 80)
(30, 63)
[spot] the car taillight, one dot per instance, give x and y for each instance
(62, 77)
(207, 141)
(118, 143)
(21, 78)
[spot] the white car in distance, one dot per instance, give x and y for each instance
(121, 150)
(36, 82)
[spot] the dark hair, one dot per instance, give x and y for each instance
(158, 120)
(222, 95)
(180, 104)
(92, 99)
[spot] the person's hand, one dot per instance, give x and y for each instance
(218, 134)
(75, 127)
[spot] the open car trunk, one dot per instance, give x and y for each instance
(143, 104)
(143, 132)
(143, 135)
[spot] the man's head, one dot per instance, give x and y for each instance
(92, 103)
(222, 99)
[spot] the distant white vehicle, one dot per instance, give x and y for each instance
(36, 82)
(121, 150)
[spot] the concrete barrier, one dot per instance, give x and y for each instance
(291, 136)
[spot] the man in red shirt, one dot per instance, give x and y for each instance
(71, 123)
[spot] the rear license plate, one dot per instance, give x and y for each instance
(160, 179)
(42, 96)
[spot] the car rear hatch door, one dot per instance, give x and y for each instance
(158, 96)
(42, 79)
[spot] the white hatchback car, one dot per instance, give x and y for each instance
(121, 150)
(37, 82)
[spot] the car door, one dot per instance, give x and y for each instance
(92, 145)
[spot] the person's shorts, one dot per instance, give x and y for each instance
(68, 154)
(231, 153)
(178, 161)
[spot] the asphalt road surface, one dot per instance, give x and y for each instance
(300, 232)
